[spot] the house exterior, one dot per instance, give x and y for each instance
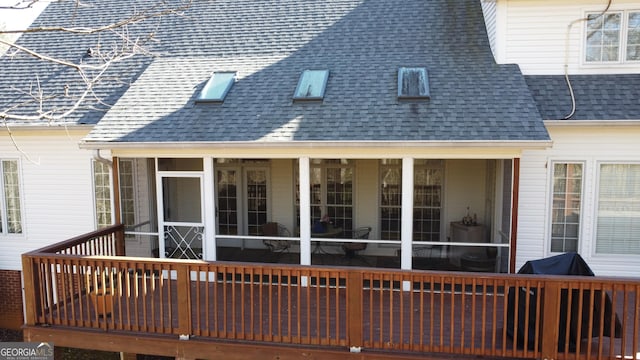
(598, 137)
(408, 119)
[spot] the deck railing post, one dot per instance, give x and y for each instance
(354, 311)
(31, 289)
(184, 299)
(120, 244)
(550, 320)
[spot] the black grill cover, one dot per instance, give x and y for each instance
(565, 264)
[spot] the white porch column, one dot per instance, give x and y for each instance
(305, 211)
(406, 231)
(209, 241)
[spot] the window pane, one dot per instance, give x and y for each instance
(102, 193)
(427, 194)
(566, 207)
(390, 199)
(227, 202)
(256, 200)
(12, 196)
(633, 37)
(618, 219)
(603, 37)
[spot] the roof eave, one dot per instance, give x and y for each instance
(518, 144)
(619, 122)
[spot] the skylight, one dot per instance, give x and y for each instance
(311, 85)
(217, 87)
(413, 83)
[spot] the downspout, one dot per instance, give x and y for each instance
(566, 58)
(97, 157)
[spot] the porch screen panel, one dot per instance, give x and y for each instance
(331, 182)
(138, 206)
(390, 199)
(340, 196)
(618, 219)
(256, 200)
(566, 208)
(427, 200)
(317, 197)
(227, 202)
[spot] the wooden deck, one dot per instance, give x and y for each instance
(289, 309)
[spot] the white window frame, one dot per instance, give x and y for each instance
(242, 197)
(622, 45)
(418, 166)
(596, 206)
(95, 194)
(3, 205)
(551, 208)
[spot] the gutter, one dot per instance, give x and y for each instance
(98, 145)
(621, 122)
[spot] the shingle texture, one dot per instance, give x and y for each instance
(597, 97)
(361, 43)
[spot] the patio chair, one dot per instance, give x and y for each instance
(276, 229)
(350, 248)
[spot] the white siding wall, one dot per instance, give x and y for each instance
(57, 192)
(532, 33)
(590, 145)
(489, 12)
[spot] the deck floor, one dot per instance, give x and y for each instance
(311, 315)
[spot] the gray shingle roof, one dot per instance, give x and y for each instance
(598, 97)
(362, 43)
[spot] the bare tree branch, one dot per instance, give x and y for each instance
(20, 5)
(90, 69)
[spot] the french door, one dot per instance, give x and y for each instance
(242, 200)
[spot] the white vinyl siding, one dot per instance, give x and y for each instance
(534, 35)
(489, 12)
(56, 190)
(590, 146)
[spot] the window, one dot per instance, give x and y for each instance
(102, 194)
(413, 83)
(11, 214)
(427, 199)
(217, 87)
(331, 182)
(613, 37)
(566, 206)
(242, 195)
(311, 85)
(618, 218)
(390, 198)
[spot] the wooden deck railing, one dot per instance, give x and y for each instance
(526, 316)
